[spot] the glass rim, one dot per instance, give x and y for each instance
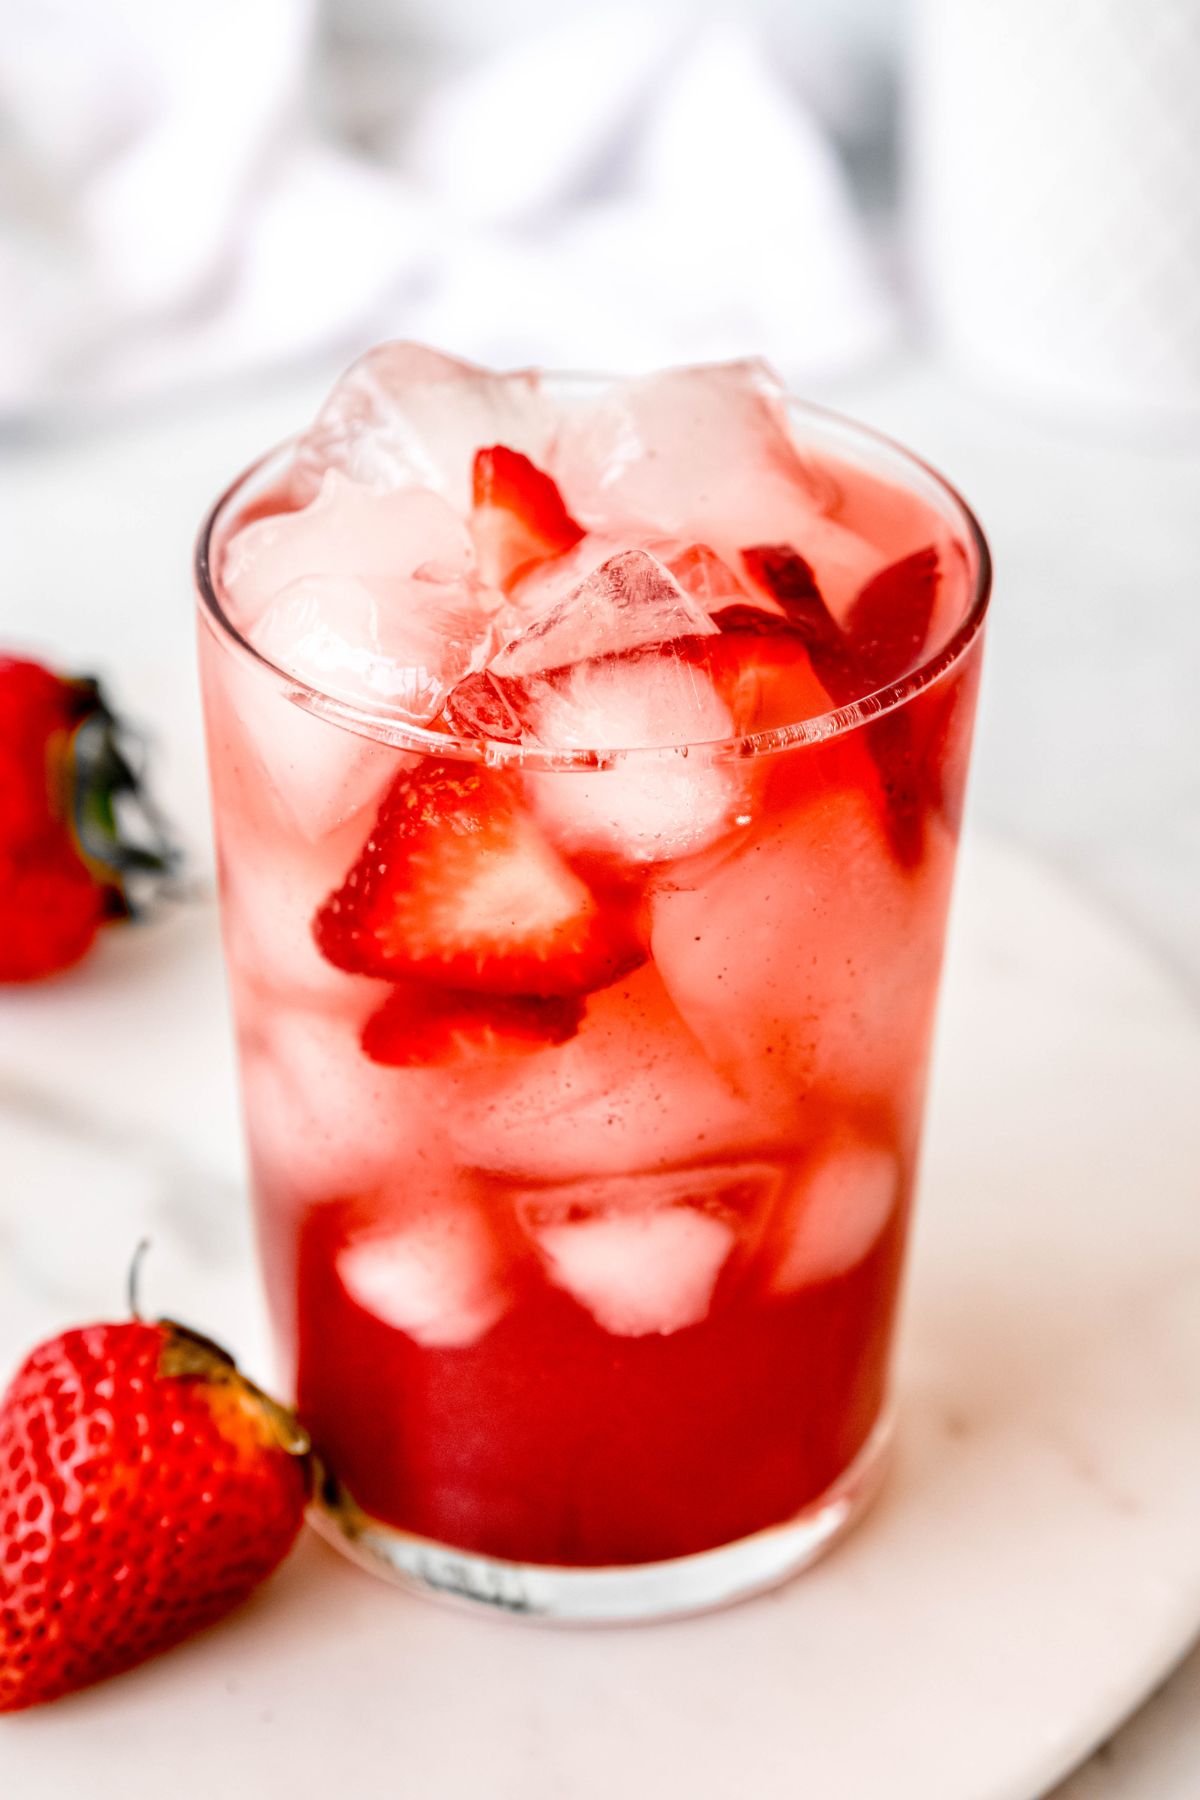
(386, 728)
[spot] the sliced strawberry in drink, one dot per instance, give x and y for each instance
(518, 517)
(909, 787)
(420, 1026)
(746, 619)
(920, 752)
(890, 619)
(762, 666)
(885, 633)
(789, 580)
(887, 624)
(456, 884)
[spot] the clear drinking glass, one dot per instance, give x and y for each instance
(600, 1328)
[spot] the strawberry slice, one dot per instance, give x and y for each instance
(885, 633)
(518, 518)
(744, 619)
(762, 664)
(886, 628)
(789, 580)
(889, 621)
(428, 1027)
(457, 885)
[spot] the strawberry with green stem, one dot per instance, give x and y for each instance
(80, 840)
(146, 1488)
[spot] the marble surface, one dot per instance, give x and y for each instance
(1089, 749)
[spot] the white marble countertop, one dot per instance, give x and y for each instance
(1089, 746)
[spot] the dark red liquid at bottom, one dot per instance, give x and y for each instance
(553, 1441)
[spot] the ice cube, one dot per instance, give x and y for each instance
(322, 774)
(706, 456)
(437, 1278)
(703, 454)
(405, 416)
(552, 582)
(599, 671)
(313, 774)
(326, 1123)
(348, 531)
(631, 1091)
(482, 708)
(640, 1273)
(395, 646)
(843, 1202)
(271, 886)
(642, 1254)
(808, 960)
(628, 602)
(649, 808)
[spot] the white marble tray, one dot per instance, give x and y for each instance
(1033, 1567)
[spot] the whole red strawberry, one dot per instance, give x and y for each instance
(145, 1488)
(78, 839)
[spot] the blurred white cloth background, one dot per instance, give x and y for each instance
(1060, 261)
(623, 189)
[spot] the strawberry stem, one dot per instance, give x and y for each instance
(118, 830)
(133, 1280)
(188, 1355)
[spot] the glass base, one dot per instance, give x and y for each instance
(556, 1594)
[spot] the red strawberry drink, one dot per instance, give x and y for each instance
(587, 760)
